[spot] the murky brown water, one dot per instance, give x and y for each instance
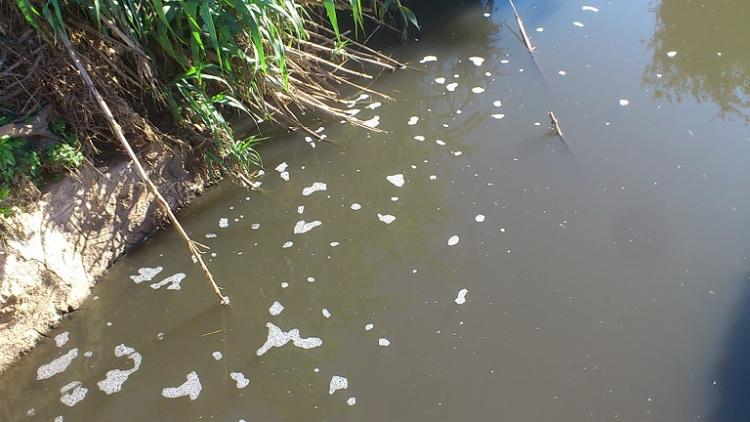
(606, 280)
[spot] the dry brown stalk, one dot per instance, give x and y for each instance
(525, 36)
(192, 245)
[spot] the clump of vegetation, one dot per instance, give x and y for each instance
(24, 165)
(210, 61)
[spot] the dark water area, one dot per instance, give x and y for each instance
(522, 279)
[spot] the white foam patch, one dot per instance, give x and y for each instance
(452, 86)
(578, 24)
(498, 116)
(337, 383)
(419, 138)
(428, 59)
(300, 209)
(326, 313)
(479, 218)
(302, 227)
(374, 105)
(73, 393)
(540, 29)
(590, 9)
(440, 80)
(62, 338)
(282, 167)
(334, 244)
(497, 103)
(278, 338)
(223, 222)
(57, 366)
(115, 378)
(477, 90)
(276, 308)
(372, 123)
(461, 297)
(284, 176)
(412, 120)
(351, 401)
(146, 274)
(284, 284)
(217, 355)
(624, 102)
(671, 54)
(255, 226)
(384, 342)
(453, 240)
(174, 282)
(476, 60)
(562, 72)
(440, 142)
(211, 235)
(386, 218)
(356, 207)
(397, 180)
(191, 387)
(315, 187)
(369, 326)
(287, 244)
(240, 380)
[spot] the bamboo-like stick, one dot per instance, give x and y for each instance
(525, 36)
(555, 125)
(117, 129)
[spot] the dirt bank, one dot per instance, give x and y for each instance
(53, 254)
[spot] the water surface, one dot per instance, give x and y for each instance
(606, 278)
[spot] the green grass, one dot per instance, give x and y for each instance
(208, 60)
(24, 165)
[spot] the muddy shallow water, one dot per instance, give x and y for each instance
(523, 278)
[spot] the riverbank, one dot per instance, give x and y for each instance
(81, 225)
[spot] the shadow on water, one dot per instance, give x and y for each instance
(733, 367)
(712, 61)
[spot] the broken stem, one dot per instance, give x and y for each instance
(525, 36)
(195, 252)
(555, 125)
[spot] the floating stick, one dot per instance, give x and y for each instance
(525, 36)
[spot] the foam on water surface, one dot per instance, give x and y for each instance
(146, 274)
(396, 180)
(240, 379)
(115, 378)
(315, 187)
(173, 281)
(461, 297)
(191, 388)
(73, 393)
(276, 308)
(337, 383)
(57, 366)
(302, 227)
(386, 218)
(62, 338)
(278, 338)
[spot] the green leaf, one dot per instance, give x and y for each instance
(331, 11)
(409, 16)
(209, 22)
(30, 13)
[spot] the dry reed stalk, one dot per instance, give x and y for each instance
(136, 162)
(525, 36)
